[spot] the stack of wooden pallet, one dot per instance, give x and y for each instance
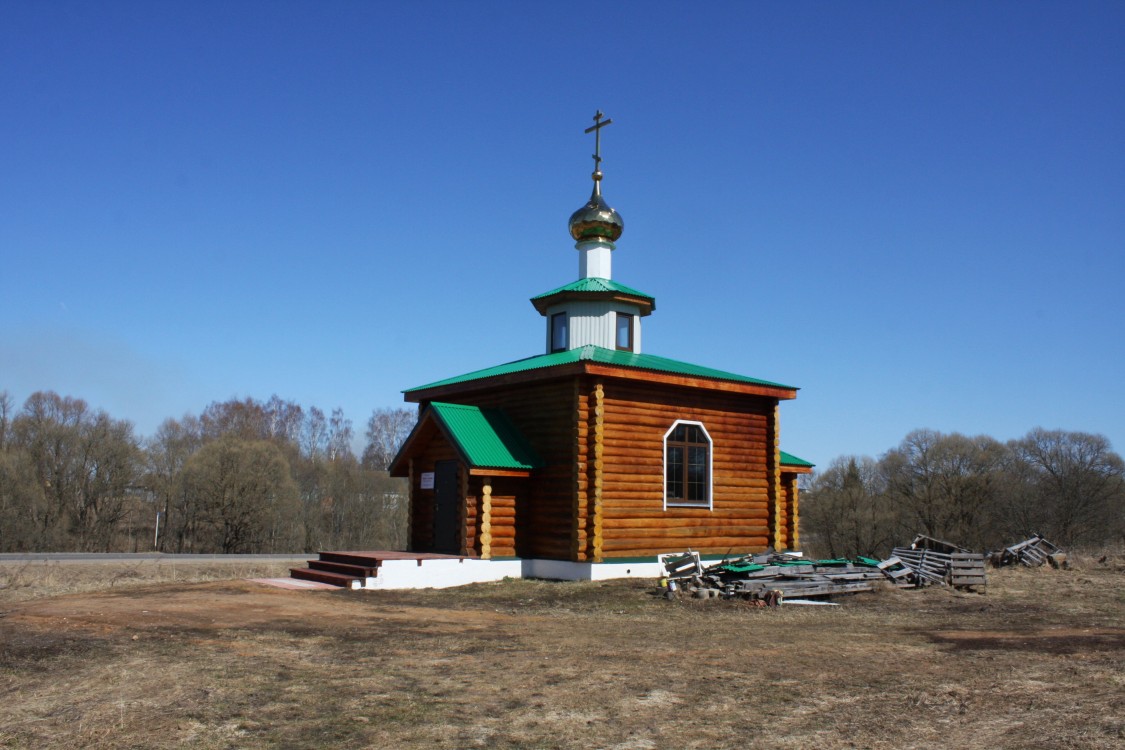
(925, 562)
(933, 561)
(1031, 552)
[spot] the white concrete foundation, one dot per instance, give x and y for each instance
(444, 573)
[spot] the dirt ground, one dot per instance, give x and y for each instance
(1037, 660)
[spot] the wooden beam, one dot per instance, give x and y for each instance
(485, 521)
(667, 378)
(773, 475)
(597, 411)
(794, 516)
(485, 471)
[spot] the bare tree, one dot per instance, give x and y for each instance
(846, 510)
(245, 419)
(71, 477)
(22, 503)
(946, 485)
(285, 420)
(248, 499)
(1074, 485)
(339, 436)
(85, 461)
(5, 417)
(166, 455)
(387, 429)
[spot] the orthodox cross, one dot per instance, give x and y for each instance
(597, 128)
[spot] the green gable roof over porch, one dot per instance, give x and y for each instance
(788, 459)
(485, 438)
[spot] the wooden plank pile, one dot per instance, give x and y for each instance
(936, 562)
(772, 577)
(1032, 553)
(768, 577)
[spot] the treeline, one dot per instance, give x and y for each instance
(241, 477)
(973, 491)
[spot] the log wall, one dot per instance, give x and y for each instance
(744, 464)
(773, 471)
(549, 517)
(600, 494)
(497, 537)
(791, 511)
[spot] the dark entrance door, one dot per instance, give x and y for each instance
(447, 502)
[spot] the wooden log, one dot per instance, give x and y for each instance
(645, 431)
(655, 504)
(611, 544)
(657, 530)
(741, 548)
(635, 417)
(641, 487)
(683, 515)
(624, 472)
(682, 406)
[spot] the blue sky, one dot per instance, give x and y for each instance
(913, 211)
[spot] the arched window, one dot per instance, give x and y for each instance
(687, 465)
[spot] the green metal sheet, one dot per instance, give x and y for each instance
(600, 355)
(594, 285)
(486, 437)
(788, 459)
(743, 568)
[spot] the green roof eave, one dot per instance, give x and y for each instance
(788, 459)
(600, 355)
(486, 437)
(594, 284)
(595, 289)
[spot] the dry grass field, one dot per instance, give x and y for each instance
(106, 656)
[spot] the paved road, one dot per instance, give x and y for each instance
(64, 557)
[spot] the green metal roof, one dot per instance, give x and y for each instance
(591, 353)
(594, 285)
(788, 459)
(486, 437)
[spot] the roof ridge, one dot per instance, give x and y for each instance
(602, 355)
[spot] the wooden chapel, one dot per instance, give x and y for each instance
(595, 451)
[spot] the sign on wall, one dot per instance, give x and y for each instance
(427, 480)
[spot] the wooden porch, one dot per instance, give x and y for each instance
(344, 568)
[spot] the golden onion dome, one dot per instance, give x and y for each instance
(596, 220)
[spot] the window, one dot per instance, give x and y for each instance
(625, 332)
(687, 465)
(559, 336)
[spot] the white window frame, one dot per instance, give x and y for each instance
(710, 468)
